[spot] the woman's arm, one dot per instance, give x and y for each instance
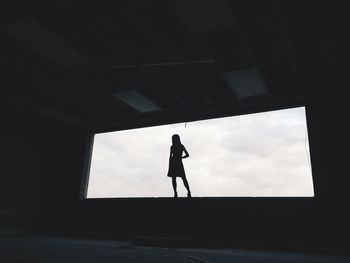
(186, 153)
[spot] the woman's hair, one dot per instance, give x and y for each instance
(176, 139)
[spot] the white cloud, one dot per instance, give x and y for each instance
(260, 154)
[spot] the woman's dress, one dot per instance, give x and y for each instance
(176, 167)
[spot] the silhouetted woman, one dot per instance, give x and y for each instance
(176, 168)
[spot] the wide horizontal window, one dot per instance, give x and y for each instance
(255, 155)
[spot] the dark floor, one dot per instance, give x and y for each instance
(40, 249)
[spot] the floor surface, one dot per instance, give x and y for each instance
(36, 249)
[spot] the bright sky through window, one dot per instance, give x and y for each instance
(255, 155)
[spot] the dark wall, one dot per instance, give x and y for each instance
(23, 162)
(330, 143)
(32, 167)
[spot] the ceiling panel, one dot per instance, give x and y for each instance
(212, 83)
(170, 104)
(233, 61)
(164, 27)
(9, 14)
(100, 15)
(155, 92)
(223, 40)
(165, 73)
(138, 79)
(221, 96)
(181, 87)
(198, 70)
(65, 24)
(94, 47)
(193, 99)
(35, 7)
(126, 39)
(140, 9)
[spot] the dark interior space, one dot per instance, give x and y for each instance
(67, 65)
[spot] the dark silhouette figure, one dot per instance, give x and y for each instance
(176, 168)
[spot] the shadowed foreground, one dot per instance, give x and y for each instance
(30, 249)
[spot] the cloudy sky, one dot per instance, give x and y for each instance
(263, 154)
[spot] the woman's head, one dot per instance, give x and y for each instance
(176, 139)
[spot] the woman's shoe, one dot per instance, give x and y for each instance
(189, 194)
(175, 195)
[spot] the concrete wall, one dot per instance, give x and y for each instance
(23, 168)
(35, 162)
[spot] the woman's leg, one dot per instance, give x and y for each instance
(174, 186)
(184, 179)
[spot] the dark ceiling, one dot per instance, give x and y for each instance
(67, 59)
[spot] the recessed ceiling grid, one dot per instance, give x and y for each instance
(143, 46)
(157, 82)
(154, 80)
(186, 77)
